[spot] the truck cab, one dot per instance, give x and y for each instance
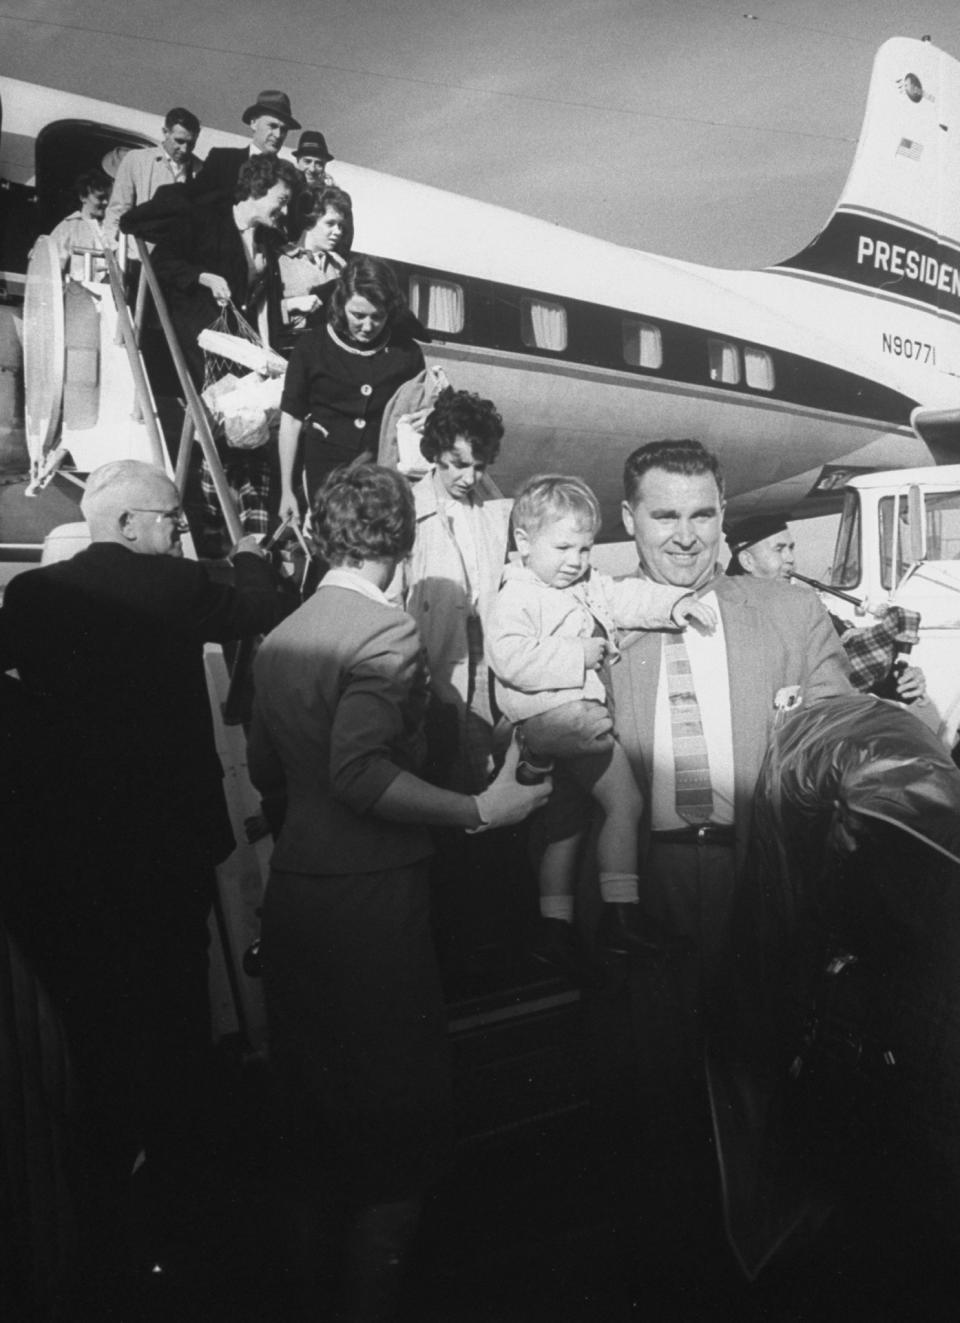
(898, 543)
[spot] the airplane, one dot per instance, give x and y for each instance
(842, 358)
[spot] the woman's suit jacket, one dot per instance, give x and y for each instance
(193, 239)
(340, 699)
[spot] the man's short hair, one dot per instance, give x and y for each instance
(114, 486)
(92, 181)
(550, 496)
(458, 413)
(687, 458)
(258, 175)
(185, 118)
(364, 512)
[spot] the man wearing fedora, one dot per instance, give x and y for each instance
(313, 156)
(270, 119)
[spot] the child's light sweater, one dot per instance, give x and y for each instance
(534, 634)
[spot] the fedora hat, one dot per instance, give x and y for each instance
(271, 103)
(313, 143)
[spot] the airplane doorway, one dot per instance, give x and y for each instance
(65, 149)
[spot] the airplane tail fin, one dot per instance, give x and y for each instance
(897, 224)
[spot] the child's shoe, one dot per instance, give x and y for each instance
(554, 944)
(621, 930)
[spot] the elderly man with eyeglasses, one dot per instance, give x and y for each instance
(127, 821)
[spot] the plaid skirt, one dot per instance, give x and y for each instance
(248, 477)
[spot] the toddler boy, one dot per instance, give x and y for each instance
(551, 631)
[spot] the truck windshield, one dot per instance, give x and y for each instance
(941, 530)
(942, 520)
(845, 572)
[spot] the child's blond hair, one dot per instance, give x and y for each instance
(549, 496)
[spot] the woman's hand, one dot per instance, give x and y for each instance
(289, 509)
(217, 286)
(299, 308)
(302, 303)
(505, 801)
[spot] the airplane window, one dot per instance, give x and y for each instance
(642, 344)
(759, 368)
(437, 304)
(543, 325)
(724, 362)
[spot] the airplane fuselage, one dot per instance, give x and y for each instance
(590, 349)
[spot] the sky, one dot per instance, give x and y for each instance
(720, 131)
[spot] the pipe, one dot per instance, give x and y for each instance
(827, 588)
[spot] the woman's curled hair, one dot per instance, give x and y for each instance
(364, 512)
(259, 174)
(457, 413)
(313, 203)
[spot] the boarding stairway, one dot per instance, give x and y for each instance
(88, 398)
(518, 1041)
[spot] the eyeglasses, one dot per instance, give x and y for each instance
(177, 517)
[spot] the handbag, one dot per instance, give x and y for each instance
(245, 410)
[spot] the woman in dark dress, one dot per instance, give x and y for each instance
(341, 378)
(353, 994)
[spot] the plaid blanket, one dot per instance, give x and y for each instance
(871, 651)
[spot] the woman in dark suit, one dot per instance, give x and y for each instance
(341, 377)
(353, 993)
(207, 255)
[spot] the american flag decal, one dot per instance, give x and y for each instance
(910, 149)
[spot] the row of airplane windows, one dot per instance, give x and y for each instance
(440, 306)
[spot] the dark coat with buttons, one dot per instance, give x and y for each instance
(340, 392)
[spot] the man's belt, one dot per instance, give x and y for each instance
(704, 833)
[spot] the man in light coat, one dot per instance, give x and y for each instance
(773, 648)
(145, 169)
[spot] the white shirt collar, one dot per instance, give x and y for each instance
(343, 576)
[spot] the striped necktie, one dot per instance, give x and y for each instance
(694, 793)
